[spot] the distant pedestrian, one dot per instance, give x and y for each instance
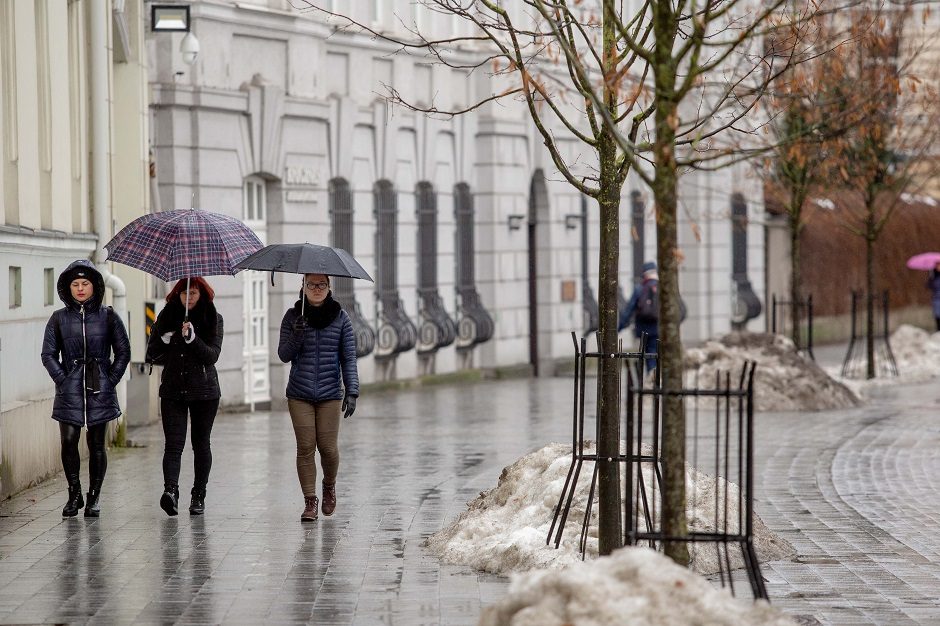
(86, 351)
(933, 283)
(317, 339)
(642, 311)
(188, 347)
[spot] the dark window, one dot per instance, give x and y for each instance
(474, 325)
(436, 329)
(396, 331)
(386, 221)
(427, 237)
(341, 218)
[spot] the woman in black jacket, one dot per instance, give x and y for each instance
(188, 347)
(77, 352)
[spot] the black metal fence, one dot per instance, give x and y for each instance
(719, 438)
(782, 324)
(855, 364)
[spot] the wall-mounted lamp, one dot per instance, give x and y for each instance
(515, 221)
(572, 221)
(169, 18)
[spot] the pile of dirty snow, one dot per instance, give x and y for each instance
(784, 380)
(916, 352)
(505, 528)
(632, 586)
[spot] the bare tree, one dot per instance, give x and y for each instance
(568, 66)
(650, 90)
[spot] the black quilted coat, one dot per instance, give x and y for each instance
(188, 368)
(86, 351)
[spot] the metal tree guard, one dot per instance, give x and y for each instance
(856, 360)
(802, 305)
(733, 425)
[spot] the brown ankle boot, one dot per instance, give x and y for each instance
(310, 509)
(329, 499)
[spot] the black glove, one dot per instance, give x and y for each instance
(300, 324)
(349, 405)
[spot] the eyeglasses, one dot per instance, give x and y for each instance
(317, 286)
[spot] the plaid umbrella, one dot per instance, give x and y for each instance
(182, 243)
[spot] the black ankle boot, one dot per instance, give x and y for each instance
(75, 500)
(169, 501)
(93, 508)
(197, 505)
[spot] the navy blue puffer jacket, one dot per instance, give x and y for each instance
(78, 356)
(323, 360)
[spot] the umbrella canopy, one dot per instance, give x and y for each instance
(305, 258)
(182, 243)
(924, 261)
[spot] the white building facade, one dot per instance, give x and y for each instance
(473, 239)
(73, 162)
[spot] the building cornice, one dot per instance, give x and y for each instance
(56, 242)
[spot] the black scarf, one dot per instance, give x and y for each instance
(202, 316)
(320, 316)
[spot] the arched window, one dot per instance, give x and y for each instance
(746, 305)
(396, 331)
(436, 328)
(475, 325)
(341, 222)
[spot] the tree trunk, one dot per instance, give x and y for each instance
(796, 278)
(665, 186)
(610, 531)
(870, 293)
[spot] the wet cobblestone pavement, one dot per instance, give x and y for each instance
(854, 491)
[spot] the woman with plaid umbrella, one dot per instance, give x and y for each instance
(187, 339)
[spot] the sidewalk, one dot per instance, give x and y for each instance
(852, 490)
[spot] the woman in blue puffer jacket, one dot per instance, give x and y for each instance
(317, 339)
(86, 351)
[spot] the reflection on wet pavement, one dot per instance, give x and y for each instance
(410, 460)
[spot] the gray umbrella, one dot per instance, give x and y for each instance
(305, 258)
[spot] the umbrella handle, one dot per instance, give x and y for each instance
(272, 278)
(186, 306)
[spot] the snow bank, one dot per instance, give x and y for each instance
(917, 354)
(633, 586)
(784, 380)
(505, 528)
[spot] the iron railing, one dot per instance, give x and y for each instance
(719, 436)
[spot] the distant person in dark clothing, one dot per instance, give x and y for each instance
(188, 347)
(77, 350)
(933, 283)
(642, 311)
(317, 340)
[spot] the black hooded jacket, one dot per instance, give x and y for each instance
(188, 368)
(86, 351)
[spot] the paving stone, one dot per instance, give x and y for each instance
(852, 490)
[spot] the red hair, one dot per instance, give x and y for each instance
(204, 289)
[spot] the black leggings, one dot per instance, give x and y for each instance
(202, 413)
(97, 457)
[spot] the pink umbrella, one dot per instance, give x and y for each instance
(924, 261)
